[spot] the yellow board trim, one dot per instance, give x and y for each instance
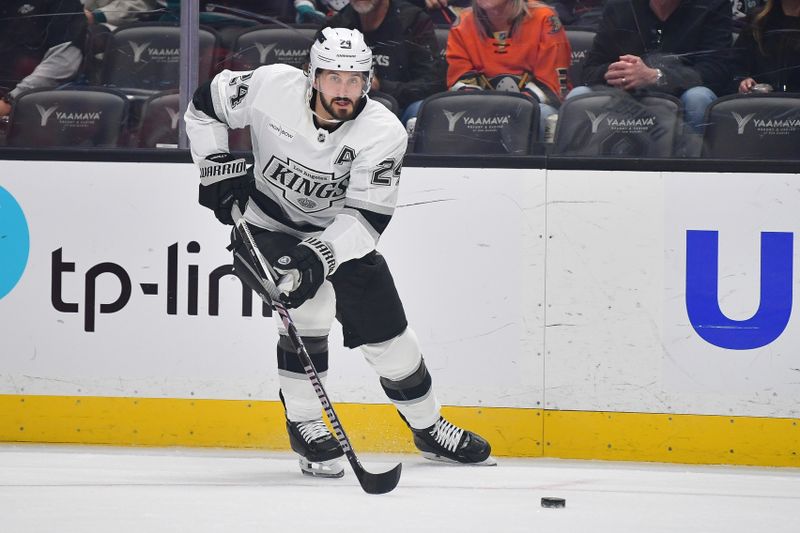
(668, 438)
(697, 439)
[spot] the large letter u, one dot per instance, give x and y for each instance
(702, 298)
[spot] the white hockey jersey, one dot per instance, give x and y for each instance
(339, 186)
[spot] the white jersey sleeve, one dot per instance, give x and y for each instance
(218, 106)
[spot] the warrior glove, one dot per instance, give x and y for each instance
(224, 180)
(303, 271)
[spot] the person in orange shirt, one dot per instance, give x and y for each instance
(514, 45)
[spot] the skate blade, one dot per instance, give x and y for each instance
(489, 461)
(325, 469)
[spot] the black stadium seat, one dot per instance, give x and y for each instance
(386, 99)
(481, 122)
(68, 117)
(266, 45)
(580, 41)
(158, 127)
(239, 140)
(761, 126)
(159, 122)
(614, 123)
(144, 58)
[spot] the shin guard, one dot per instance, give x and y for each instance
(299, 398)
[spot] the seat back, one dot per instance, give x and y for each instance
(615, 123)
(387, 100)
(146, 56)
(580, 41)
(762, 126)
(481, 122)
(160, 118)
(68, 117)
(266, 45)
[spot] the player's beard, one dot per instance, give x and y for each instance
(337, 112)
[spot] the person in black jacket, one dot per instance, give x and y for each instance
(41, 42)
(768, 50)
(407, 64)
(680, 47)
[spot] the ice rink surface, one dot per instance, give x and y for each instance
(75, 489)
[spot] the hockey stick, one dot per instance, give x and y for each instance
(371, 483)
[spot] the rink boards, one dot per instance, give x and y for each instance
(582, 314)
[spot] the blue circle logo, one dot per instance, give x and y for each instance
(14, 242)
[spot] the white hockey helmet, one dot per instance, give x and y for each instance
(339, 49)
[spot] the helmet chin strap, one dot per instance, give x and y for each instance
(331, 120)
(313, 102)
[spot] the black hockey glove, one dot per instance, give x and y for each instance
(303, 271)
(224, 180)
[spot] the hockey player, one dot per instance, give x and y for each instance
(321, 192)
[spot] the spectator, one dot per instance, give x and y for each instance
(116, 12)
(515, 45)
(768, 50)
(671, 46)
(41, 43)
(309, 12)
(580, 13)
(404, 47)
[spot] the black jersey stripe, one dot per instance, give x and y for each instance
(376, 220)
(271, 209)
(202, 101)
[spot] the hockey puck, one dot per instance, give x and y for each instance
(554, 503)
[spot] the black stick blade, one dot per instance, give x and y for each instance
(379, 483)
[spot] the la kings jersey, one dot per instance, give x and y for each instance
(339, 186)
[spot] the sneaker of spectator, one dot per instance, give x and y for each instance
(670, 46)
(768, 49)
(513, 45)
(404, 45)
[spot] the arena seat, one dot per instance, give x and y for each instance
(158, 127)
(614, 123)
(239, 140)
(480, 122)
(269, 44)
(143, 58)
(580, 41)
(386, 99)
(74, 117)
(760, 126)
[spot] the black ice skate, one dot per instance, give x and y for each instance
(446, 442)
(318, 449)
